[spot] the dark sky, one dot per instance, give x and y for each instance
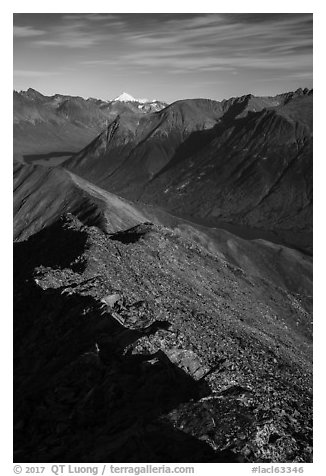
(163, 56)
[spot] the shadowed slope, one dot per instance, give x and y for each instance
(42, 195)
(246, 161)
(229, 379)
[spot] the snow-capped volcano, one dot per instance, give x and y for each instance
(125, 97)
(137, 104)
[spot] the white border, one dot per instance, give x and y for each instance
(60, 6)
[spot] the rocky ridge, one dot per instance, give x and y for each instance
(219, 371)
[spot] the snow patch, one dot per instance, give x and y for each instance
(126, 97)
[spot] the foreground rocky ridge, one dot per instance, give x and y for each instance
(42, 194)
(190, 359)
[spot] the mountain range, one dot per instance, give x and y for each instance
(163, 279)
(245, 161)
(63, 123)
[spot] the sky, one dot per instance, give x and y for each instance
(162, 56)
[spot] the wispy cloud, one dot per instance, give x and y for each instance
(80, 31)
(92, 17)
(210, 43)
(71, 40)
(27, 32)
(101, 62)
(213, 43)
(26, 73)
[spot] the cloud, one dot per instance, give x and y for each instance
(93, 17)
(74, 37)
(26, 32)
(307, 75)
(188, 43)
(80, 31)
(208, 43)
(26, 73)
(100, 62)
(71, 40)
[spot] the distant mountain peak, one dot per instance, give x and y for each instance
(126, 97)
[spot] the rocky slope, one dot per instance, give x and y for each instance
(189, 359)
(149, 342)
(43, 194)
(245, 161)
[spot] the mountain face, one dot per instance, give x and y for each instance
(144, 331)
(244, 162)
(62, 123)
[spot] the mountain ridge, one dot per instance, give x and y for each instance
(216, 151)
(46, 124)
